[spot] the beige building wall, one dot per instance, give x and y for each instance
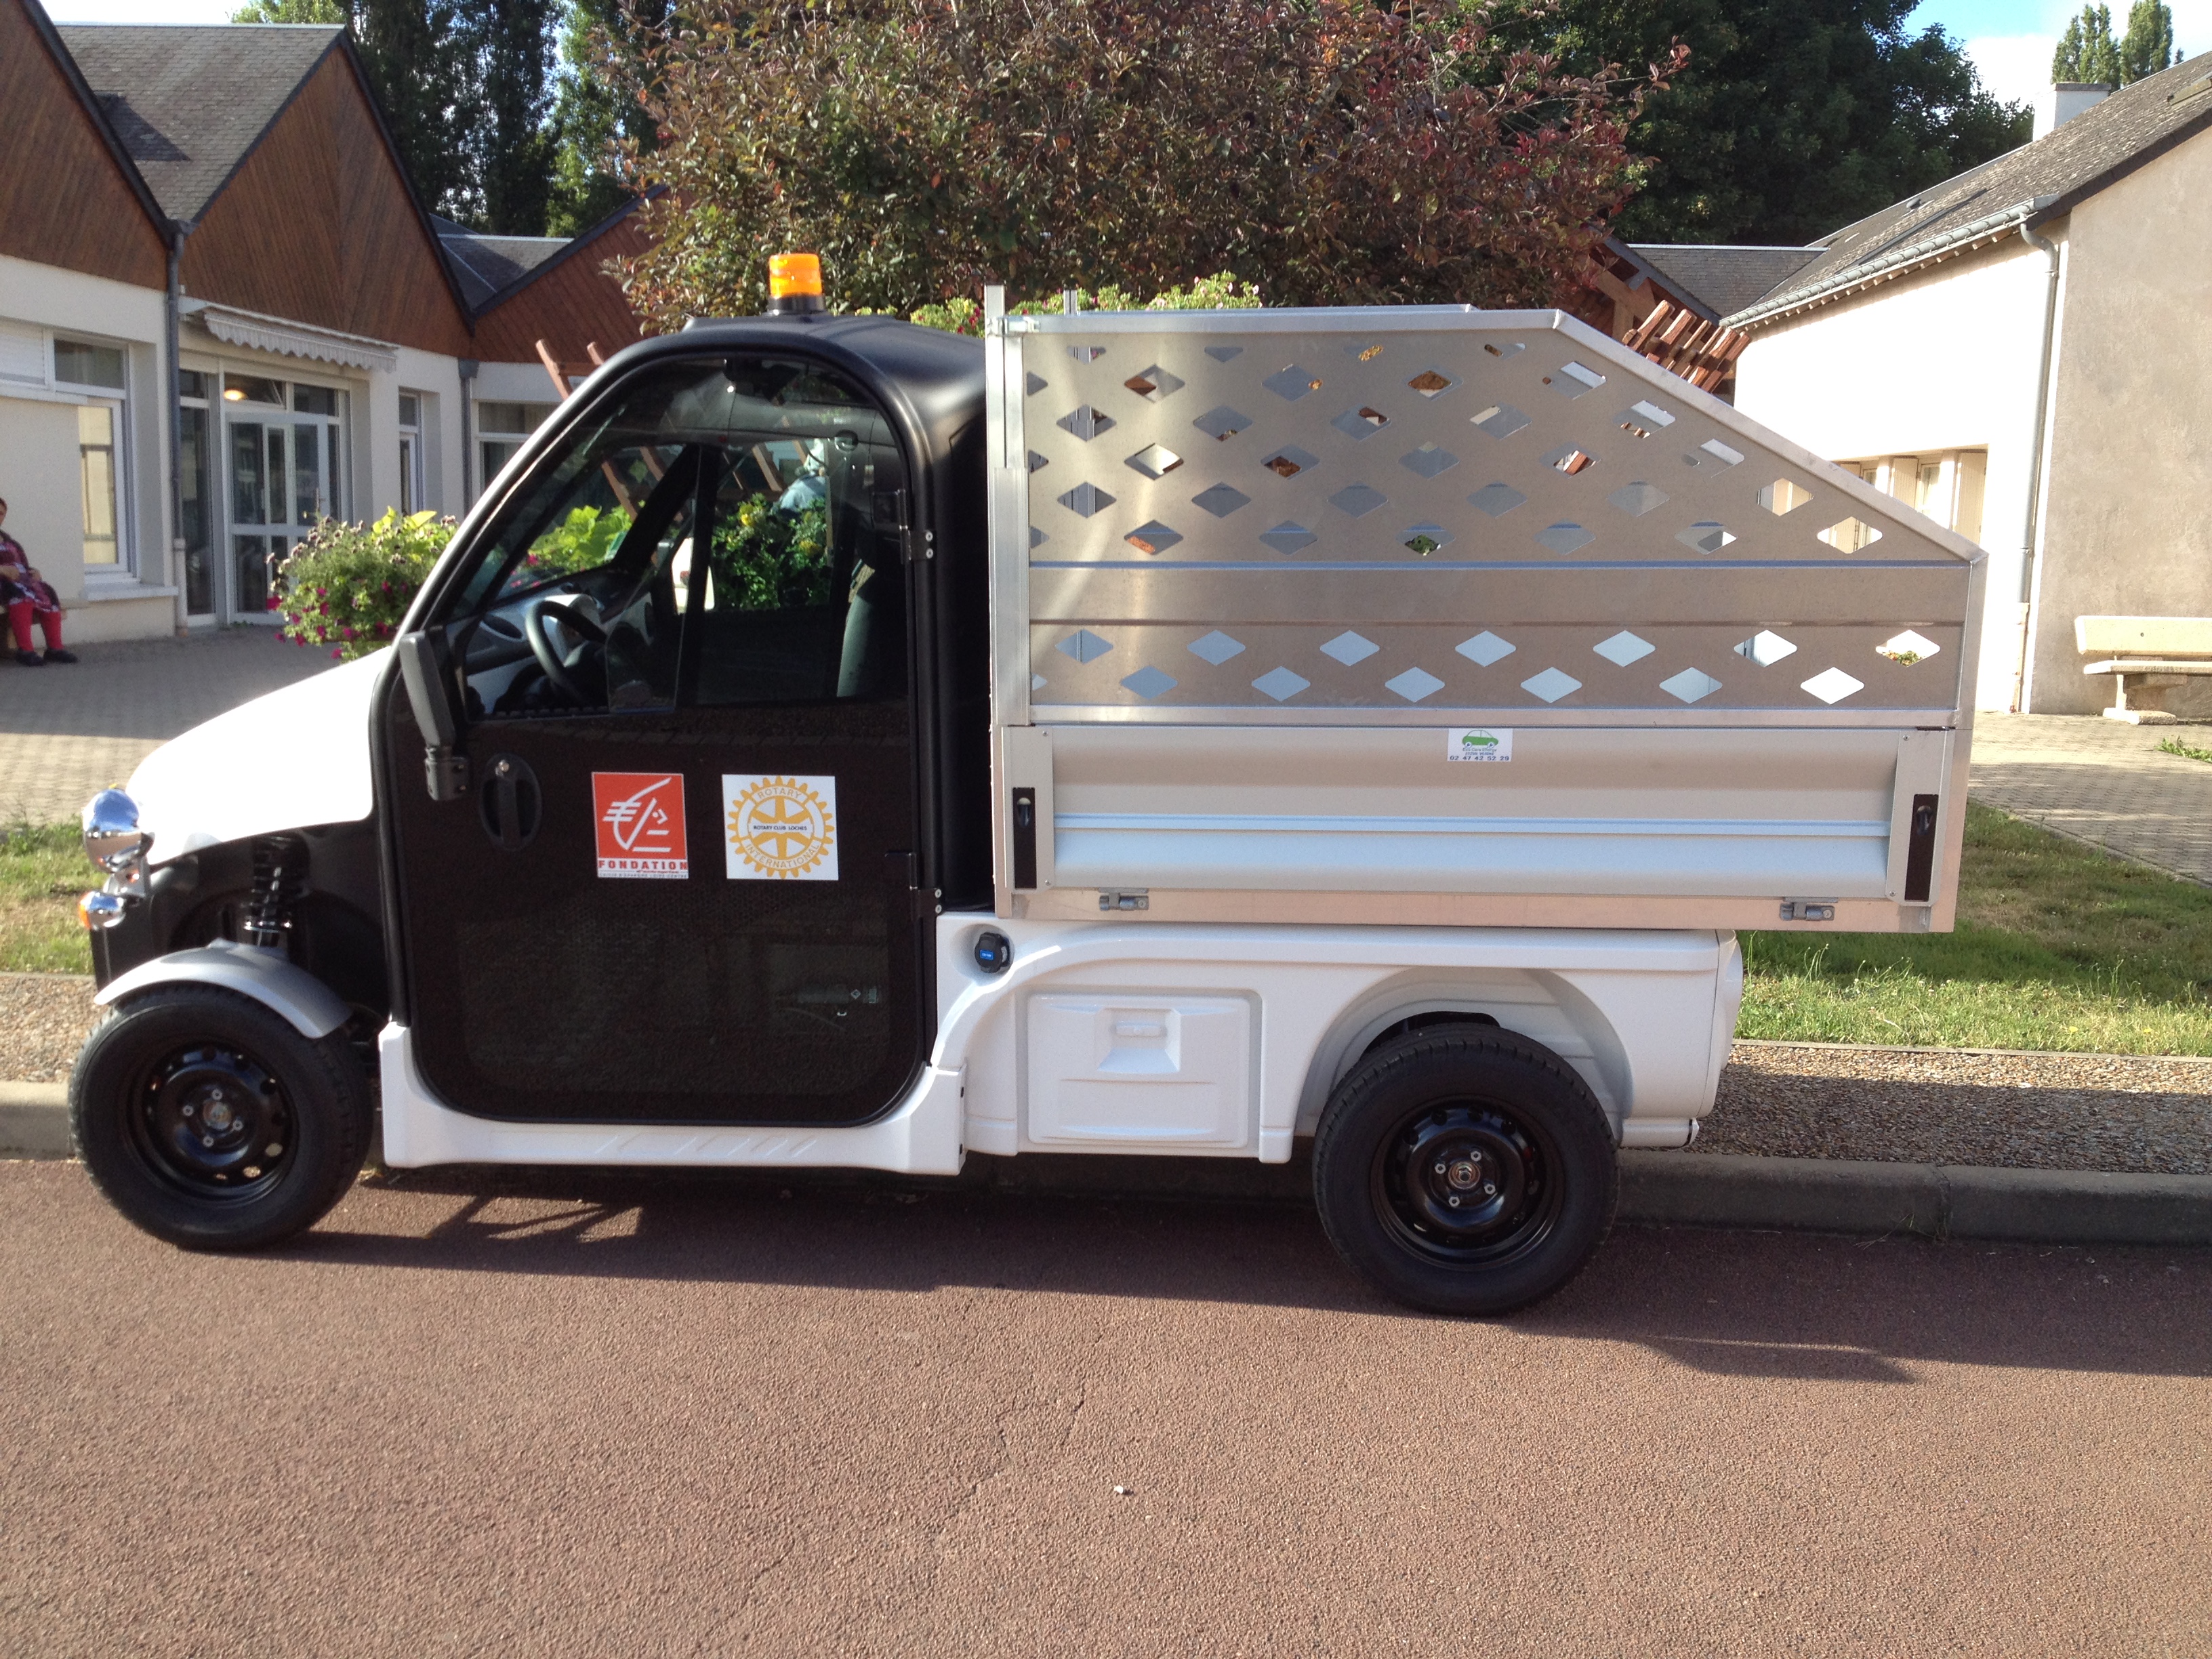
(37, 446)
(1941, 360)
(133, 598)
(2128, 522)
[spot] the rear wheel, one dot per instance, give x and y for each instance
(212, 1123)
(1465, 1170)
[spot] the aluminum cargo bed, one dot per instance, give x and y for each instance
(1431, 615)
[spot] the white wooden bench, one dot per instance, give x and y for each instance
(2155, 653)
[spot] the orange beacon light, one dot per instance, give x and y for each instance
(794, 284)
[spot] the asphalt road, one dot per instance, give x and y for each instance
(602, 1416)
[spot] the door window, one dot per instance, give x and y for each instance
(585, 590)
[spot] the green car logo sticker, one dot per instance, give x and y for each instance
(1477, 743)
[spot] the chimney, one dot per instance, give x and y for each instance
(2065, 101)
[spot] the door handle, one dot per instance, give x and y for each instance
(511, 805)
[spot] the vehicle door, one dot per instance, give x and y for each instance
(678, 885)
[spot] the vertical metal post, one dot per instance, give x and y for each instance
(468, 367)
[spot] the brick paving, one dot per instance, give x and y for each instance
(2104, 782)
(68, 731)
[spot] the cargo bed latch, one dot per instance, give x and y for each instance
(1808, 910)
(1125, 899)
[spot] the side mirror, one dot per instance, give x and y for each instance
(426, 671)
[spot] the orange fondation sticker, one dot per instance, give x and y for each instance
(640, 820)
(779, 828)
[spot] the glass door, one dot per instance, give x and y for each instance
(195, 487)
(284, 464)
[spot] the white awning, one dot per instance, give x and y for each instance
(248, 328)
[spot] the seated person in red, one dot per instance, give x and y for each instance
(26, 594)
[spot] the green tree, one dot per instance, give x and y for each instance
(1791, 118)
(1334, 149)
(2087, 51)
(2148, 46)
(510, 142)
(593, 118)
(292, 11)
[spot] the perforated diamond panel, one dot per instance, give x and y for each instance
(1486, 513)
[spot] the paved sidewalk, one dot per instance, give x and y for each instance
(2104, 782)
(68, 731)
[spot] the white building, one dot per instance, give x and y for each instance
(223, 315)
(2023, 352)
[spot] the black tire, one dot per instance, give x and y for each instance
(210, 1122)
(1465, 1170)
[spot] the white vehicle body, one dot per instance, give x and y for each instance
(1118, 1035)
(1217, 1041)
(1218, 900)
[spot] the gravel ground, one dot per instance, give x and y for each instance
(1779, 1099)
(44, 1018)
(2026, 1111)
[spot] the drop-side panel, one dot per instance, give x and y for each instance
(1571, 811)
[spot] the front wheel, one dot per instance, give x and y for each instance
(1465, 1170)
(210, 1122)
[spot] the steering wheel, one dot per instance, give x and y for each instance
(564, 610)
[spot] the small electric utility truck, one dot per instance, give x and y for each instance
(834, 742)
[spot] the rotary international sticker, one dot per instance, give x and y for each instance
(639, 818)
(779, 828)
(1477, 743)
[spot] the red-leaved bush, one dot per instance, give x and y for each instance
(1332, 151)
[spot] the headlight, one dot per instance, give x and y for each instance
(113, 839)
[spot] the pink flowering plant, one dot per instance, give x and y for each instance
(347, 585)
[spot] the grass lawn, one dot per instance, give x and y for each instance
(43, 869)
(2058, 946)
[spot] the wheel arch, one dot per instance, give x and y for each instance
(288, 991)
(1543, 1006)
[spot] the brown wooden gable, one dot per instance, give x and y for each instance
(318, 226)
(572, 304)
(65, 198)
(1623, 297)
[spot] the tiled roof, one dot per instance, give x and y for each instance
(188, 101)
(484, 264)
(2036, 181)
(1726, 278)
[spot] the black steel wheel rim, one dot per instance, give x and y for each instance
(1469, 1183)
(211, 1120)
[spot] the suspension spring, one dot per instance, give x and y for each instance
(279, 878)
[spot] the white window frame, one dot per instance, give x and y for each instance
(117, 399)
(208, 404)
(410, 456)
(509, 438)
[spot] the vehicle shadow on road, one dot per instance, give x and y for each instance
(1782, 1305)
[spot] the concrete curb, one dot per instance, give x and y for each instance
(1841, 1195)
(34, 1119)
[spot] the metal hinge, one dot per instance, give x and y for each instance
(904, 870)
(1125, 899)
(1808, 909)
